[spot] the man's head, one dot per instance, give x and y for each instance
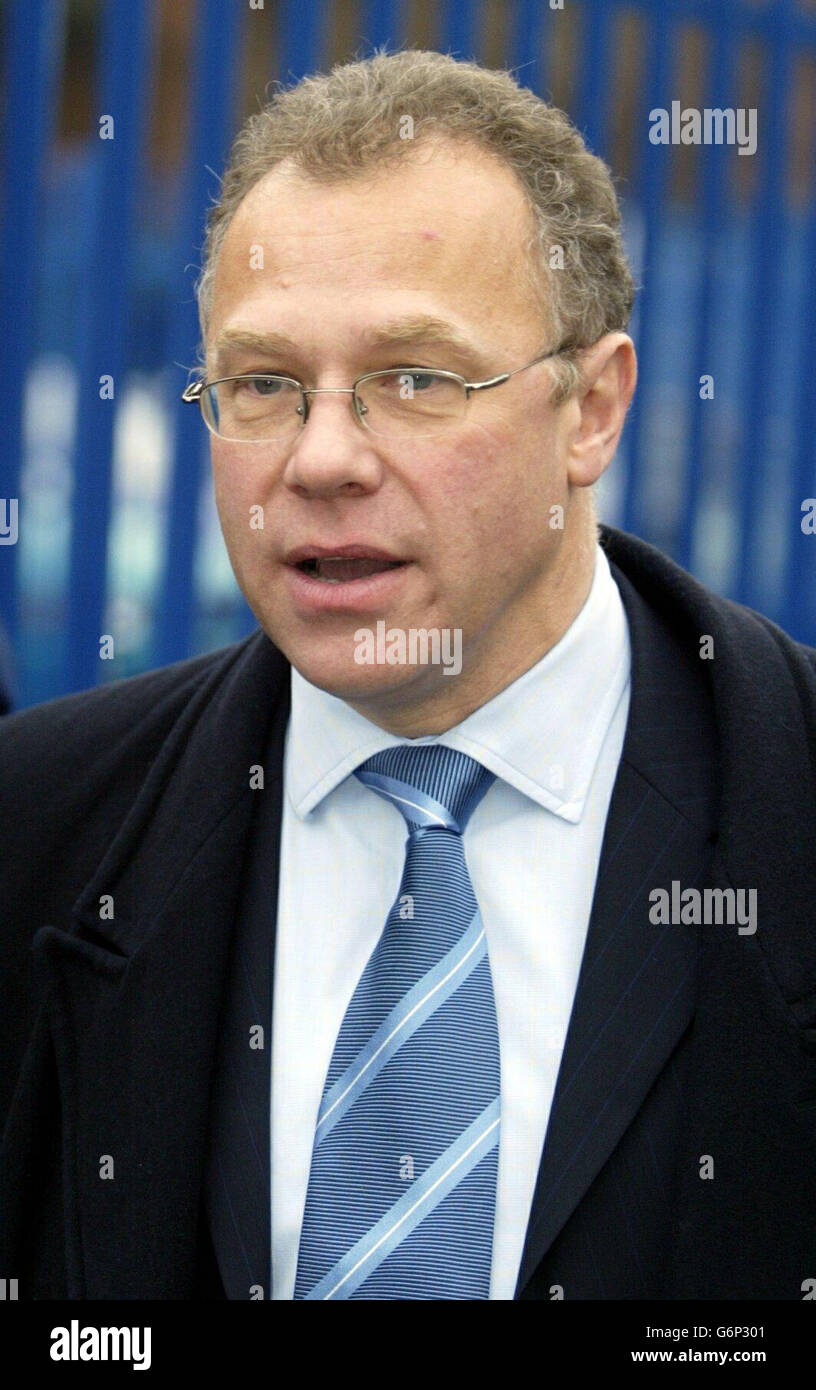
(356, 209)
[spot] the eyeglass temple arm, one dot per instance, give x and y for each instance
(505, 376)
(193, 391)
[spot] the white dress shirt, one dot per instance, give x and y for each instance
(553, 738)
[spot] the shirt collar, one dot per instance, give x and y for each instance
(543, 733)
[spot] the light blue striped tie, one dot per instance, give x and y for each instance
(402, 1187)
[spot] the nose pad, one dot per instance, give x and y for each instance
(304, 409)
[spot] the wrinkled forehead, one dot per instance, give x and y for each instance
(449, 224)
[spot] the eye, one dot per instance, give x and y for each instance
(262, 385)
(416, 381)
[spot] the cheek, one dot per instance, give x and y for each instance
(236, 491)
(223, 472)
(489, 492)
(493, 499)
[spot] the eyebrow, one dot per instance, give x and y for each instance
(416, 329)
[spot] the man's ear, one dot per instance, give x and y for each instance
(609, 372)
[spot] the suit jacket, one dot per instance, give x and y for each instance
(681, 1146)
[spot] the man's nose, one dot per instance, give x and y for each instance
(332, 451)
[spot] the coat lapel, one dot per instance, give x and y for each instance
(133, 1001)
(635, 993)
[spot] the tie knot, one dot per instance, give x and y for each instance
(431, 785)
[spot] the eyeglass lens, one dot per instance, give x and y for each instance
(392, 404)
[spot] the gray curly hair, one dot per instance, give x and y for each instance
(335, 126)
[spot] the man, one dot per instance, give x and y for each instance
(559, 1039)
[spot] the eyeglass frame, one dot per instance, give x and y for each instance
(194, 391)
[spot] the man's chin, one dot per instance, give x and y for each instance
(360, 684)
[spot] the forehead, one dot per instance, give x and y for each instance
(443, 231)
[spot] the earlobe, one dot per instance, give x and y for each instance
(586, 466)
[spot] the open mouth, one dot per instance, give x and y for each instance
(345, 569)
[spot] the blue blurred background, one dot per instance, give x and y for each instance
(100, 246)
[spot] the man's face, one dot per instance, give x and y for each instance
(468, 513)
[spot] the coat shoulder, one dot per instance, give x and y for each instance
(756, 644)
(71, 768)
(74, 733)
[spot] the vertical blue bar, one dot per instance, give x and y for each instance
(459, 28)
(592, 110)
(301, 38)
(526, 38)
(713, 174)
(799, 601)
(33, 47)
(383, 23)
(123, 94)
(654, 175)
(216, 70)
(770, 227)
